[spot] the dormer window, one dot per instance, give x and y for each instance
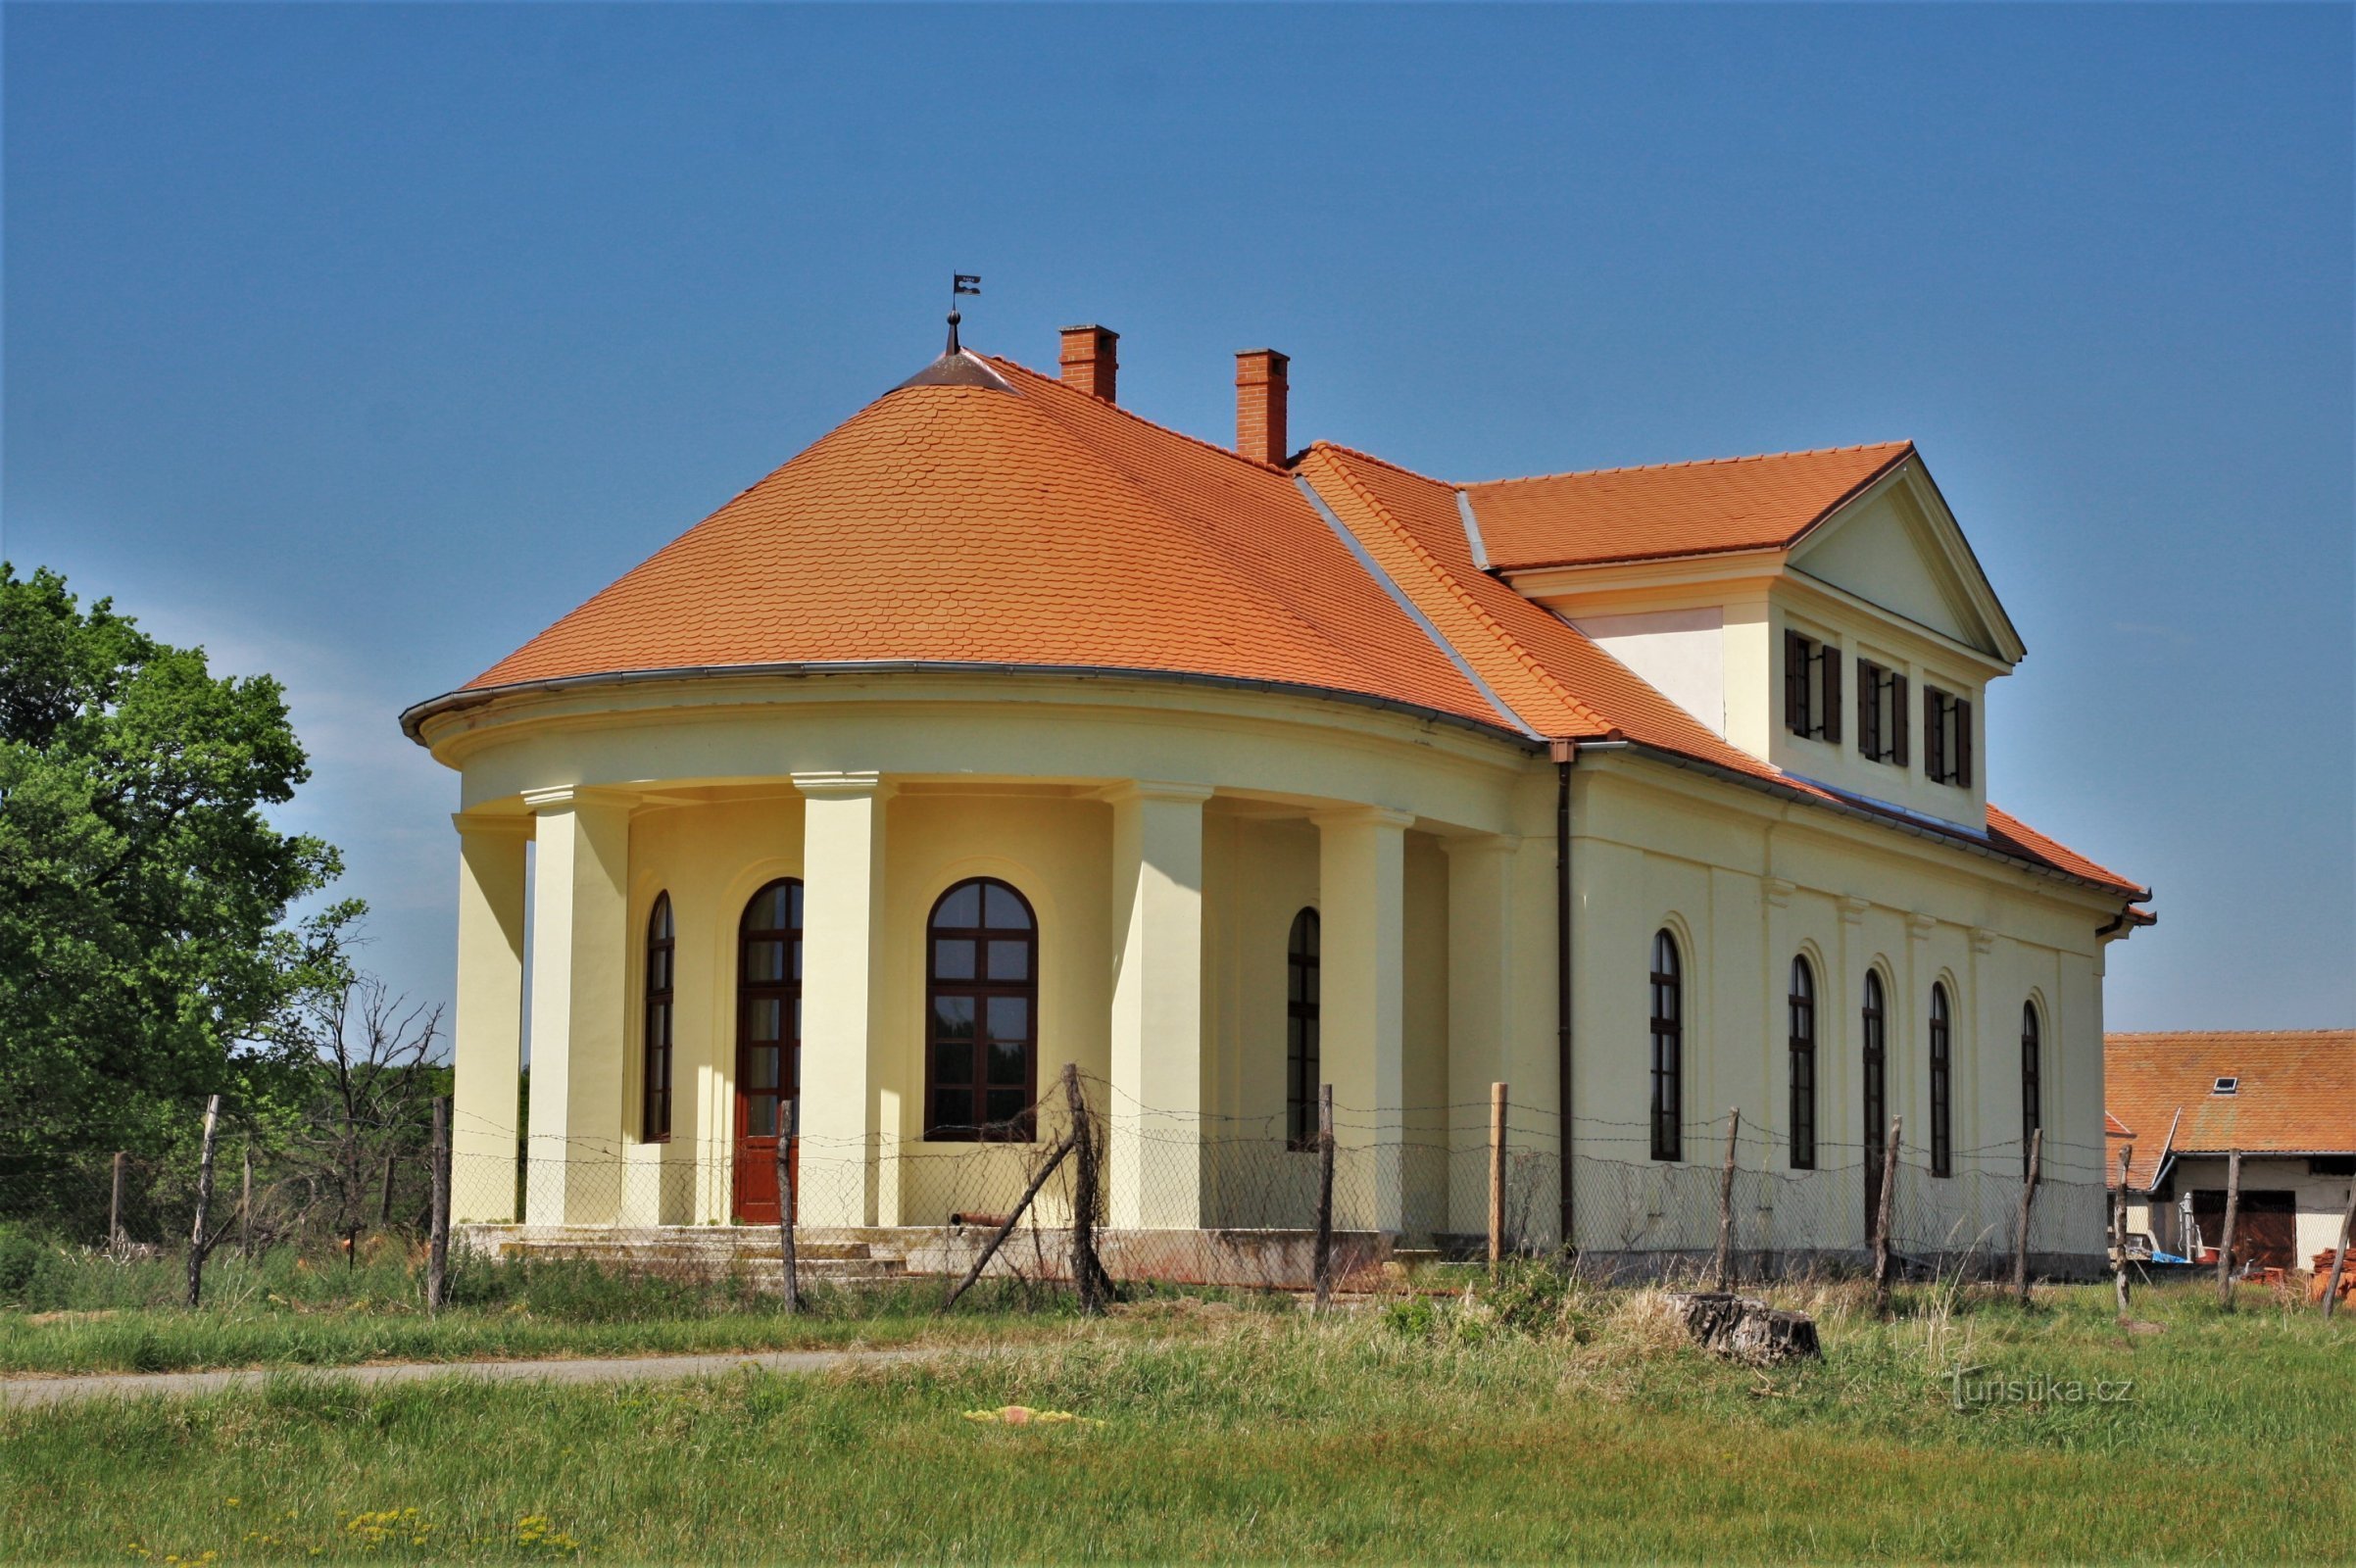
(1946, 737)
(2227, 1086)
(1811, 687)
(1881, 713)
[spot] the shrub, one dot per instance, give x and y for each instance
(27, 1265)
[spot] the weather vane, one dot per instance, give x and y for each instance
(959, 283)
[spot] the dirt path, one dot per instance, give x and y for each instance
(24, 1392)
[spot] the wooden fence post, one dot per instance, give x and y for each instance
(437, 1246)
(115, 1206)
(1322, 1259)
(791, 1277)
(1006, 1226)
(1882, 1213)
(1093, 1284)
(2020, 1245)
(245, 1206)
(1497, 1176)
(198, 1244)
(2225, 1243)
(2339, 1259)
(1722, 1264)
(2118, 1229)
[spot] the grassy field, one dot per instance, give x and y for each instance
(90, 1314)
(1522, 1427)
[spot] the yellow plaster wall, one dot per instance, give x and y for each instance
(1744, 879)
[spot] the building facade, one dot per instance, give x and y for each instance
(1003, 730)
(2182, 1104)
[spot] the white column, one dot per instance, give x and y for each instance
(843, 1134)
(485, 1123)
(580, 956)
(1156, 1175)
(1480, 991)
(1362, 1023)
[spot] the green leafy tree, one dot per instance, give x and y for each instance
(145, 956)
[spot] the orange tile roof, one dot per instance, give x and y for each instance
(1039, 527)
(1547, 669)
(1672, 509)
(1009, 519)
(2296, 1093)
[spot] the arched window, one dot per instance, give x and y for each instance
(1668, 1050)
(2033, 1093)
(1943, 1084)
(981, 1059)
(1301, 1065)
(768, 1008)
(1804, 1065)
(654, 1122)
(1876, 1083)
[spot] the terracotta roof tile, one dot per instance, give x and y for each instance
(1672, 509)
(1039, 527)
(2295, 1093)
(1033, 524)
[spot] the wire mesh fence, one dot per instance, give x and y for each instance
(1162, 1196)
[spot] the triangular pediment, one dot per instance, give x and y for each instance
(1897, 548)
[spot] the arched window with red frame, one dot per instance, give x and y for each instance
(981, 1050)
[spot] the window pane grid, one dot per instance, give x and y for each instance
(654, 1073)
(981, 1010)
(1668, 1050)
(1804, 1065)
(768, 1008)
(1303, 1004)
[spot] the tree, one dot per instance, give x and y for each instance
(144, 949)
(367, 1060)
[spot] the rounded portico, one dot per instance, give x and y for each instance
(949, 756)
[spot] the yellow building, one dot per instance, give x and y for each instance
(1003, 729)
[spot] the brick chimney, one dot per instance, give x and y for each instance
(1091, 359)
(1259, 404)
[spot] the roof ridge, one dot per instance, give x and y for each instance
(1689, 463)
(1379, 462)
(1150, 424)
(2223, 1034)
(1277, 602)
(1448, 580)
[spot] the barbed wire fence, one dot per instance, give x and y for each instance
(1090, 1189)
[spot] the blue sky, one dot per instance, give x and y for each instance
(358, 343)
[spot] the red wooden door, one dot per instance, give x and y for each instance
(768, 1043)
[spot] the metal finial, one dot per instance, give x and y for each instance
(959, 283)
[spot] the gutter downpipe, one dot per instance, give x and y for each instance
(1564, 754)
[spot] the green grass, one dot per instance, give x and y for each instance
(89, 1314)
(1388, 1435)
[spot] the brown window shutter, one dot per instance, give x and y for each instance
(1934, 753)
(1831, 693)
(1795, 682)
(1963, 742)
(1869, 715)
(1902, 718)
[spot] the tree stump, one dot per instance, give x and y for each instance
(1744, 1330)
